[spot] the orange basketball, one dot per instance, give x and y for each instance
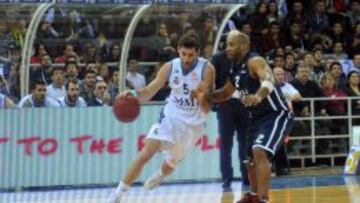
(126, 109)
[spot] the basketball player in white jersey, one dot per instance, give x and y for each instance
(181, 122)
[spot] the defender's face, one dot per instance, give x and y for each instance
(187, 56)
(234, 49)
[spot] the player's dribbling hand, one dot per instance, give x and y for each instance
(124, 94)
(205, 104)
(251, 100)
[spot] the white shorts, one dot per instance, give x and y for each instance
(177, 138)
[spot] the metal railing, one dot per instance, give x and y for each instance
(313, 137)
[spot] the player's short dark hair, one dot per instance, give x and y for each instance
(56, 69)
(334, 64)
(70, 63)
(36, 83)
(190, 40)
(89, 72)
(73, 81)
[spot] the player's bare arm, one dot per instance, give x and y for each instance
(146, 93)
(206, 85)
(221, 95)
(258, 68)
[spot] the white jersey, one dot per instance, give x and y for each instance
(64, 102)
(179, 104)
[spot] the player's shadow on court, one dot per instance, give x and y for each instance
(227, 196)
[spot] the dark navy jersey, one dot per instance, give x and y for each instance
(245, 84)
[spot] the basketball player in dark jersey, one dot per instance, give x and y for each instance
(252, 80)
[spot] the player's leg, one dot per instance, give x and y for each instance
(269, 138)
(262, 171)
(157, 178)
(187, 136)
(147, 152)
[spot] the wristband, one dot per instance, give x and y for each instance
(133, 93)
(268, 85)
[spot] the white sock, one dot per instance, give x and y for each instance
(122, 187)
(160, 172)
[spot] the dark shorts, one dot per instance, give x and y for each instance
(268, 132)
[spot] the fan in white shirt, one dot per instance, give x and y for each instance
(72, 98)
(137, 79)
(56, 89)
(289, 92)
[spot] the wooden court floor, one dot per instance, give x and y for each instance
(304, 189)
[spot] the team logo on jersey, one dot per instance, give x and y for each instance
(193, 76)
(176, 80)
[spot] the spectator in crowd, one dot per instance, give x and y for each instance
(39, 50)
(296, 38)
(114, 53)
(14, 83)
(114, 85)
(101, 93)
(57, 88)
(42, 72)
(328, 61)
(47, 31)
(353, 90)
(339, 76)
(272, 12)
(88, 85)
(353, 44)
(356, 63)
(338, 51)
(318, 20)
(354, 12)
(289, 91)
(5, 39)
(333, 107)
(103, 71)
(309, 62)
(273, 39)
(318, 64)
(162, 38)
(134, 76)
(337, 33)
(296, 14)
(90, 54)
(6, 102)
(38, 97)
(290, 67)
(259, 24)
(67, 52)
(246, 28)
(72, 98)
(71, 71)
(308, 89)
(207, 31)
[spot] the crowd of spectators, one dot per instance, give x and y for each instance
(317, 45)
